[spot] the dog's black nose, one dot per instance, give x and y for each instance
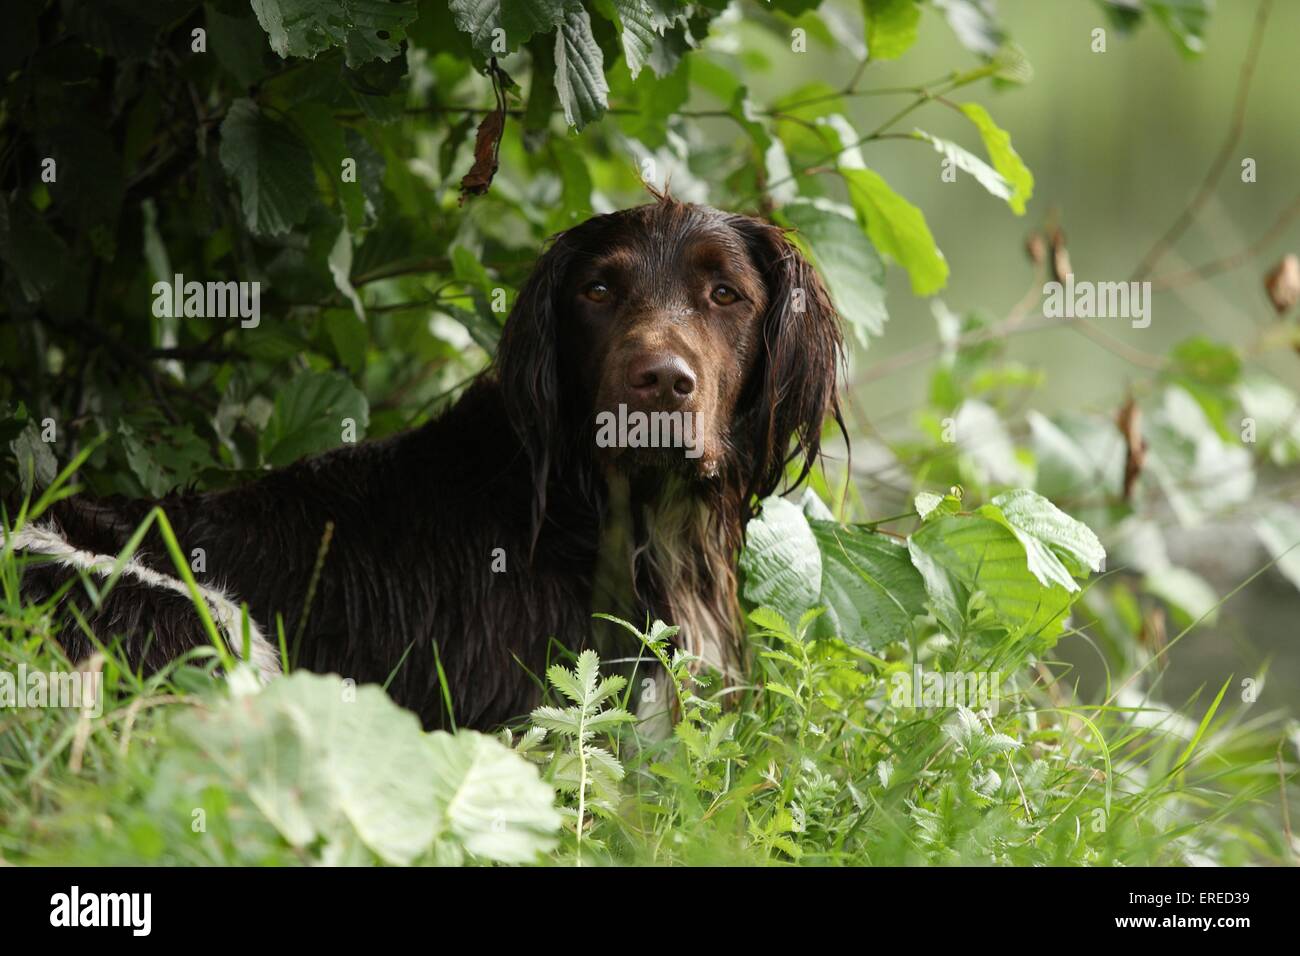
(660, 375)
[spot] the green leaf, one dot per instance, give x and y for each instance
(645, 24)
(984, 174)
(349, 336)
(490, 800)
(1058, 547)
(968, 555)
(37, 466)
(898, 229)
(930, 505)
(366, 29)
(272, 167)
(1076, 453)
(1186, 592)
(518, 19)
(1273, 411)
(891, 27)
(1199, 472)
(869, 587)
(781, 561)
(974, 23)
(853, 272)
(308, 416)
(322, 762)
(579, 70)
(1004, 157)
(1279, 529)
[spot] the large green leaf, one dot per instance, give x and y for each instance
(869, 587)
(308, 416)
(334, 768)
(1058, 547)
(646, 38)
(366, 29)
(963, 556)
(898, 229)
(519, 21)
(848, 262)
(1199, 472)
(490, 800)
(272, 166)
(781, 562)
(579, 70)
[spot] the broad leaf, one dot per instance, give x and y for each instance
(891, 27)
(272, 167)
(366, 29)
(781, 562)
(848, 263)
(579, 70)
(309, 416)
(868, 584)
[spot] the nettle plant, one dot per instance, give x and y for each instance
(233, 234)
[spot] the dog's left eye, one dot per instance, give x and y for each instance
(597, 292)
(724, 295)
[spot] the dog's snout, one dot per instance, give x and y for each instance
(660, 376)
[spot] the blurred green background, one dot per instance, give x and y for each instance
(1118, 142)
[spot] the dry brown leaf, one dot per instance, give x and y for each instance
(487, 144)
(1283, 283)
(1061, 267)
(1036, 247)
(1129, 421)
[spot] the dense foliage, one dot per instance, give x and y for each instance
(387, 172)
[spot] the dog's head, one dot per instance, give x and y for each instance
(672, 337)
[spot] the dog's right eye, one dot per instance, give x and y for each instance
(597, 292)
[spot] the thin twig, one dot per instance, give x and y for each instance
(1188, 216)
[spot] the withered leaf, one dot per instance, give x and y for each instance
(1061, 267)
(1283, 283)
(1129, 421)
(487, 144)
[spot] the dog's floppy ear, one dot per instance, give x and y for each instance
(527, 367)
(795, 385)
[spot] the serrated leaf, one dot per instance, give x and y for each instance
(366, 29)
(1057, 546)
(579, 70)
(968, 162)
(489, 799)
(308, 416)
(898, 229)
(271, 166)
(868, 585)
(519, 21)
(847, 261)
(891, 27)
(781, 562)
(644, 24)
(1003, 156)
(961, 555)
